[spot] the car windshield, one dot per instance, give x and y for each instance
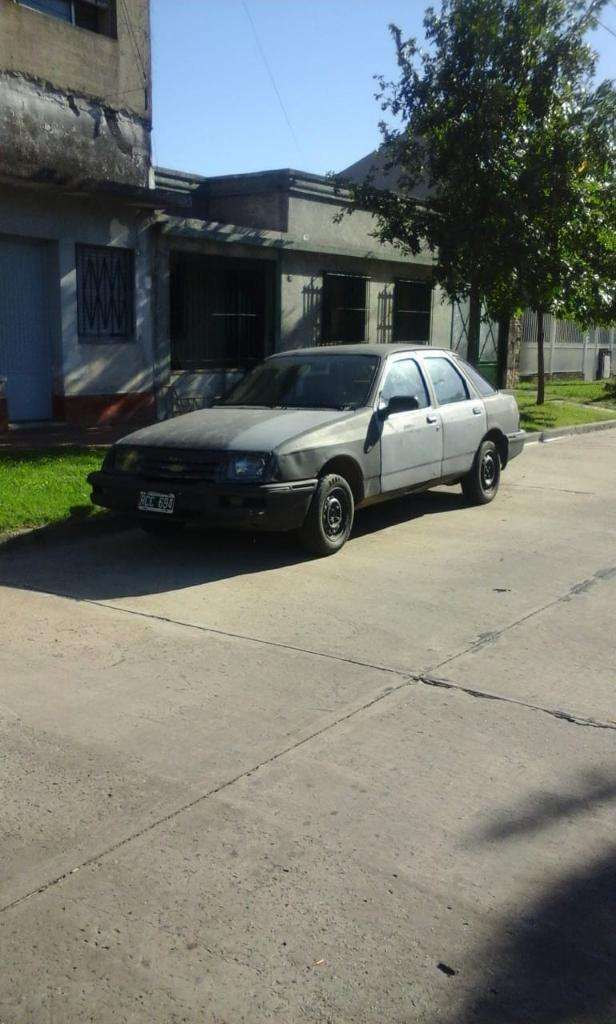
(308, 382)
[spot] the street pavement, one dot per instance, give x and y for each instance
(240, 784)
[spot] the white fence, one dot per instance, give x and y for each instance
(568, 350)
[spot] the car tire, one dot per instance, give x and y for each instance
(329, 520)
(158, 528)
(480, 485)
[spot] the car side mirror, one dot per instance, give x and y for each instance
(400, 403)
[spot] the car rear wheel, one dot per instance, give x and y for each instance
(480, 485)
(330, 517)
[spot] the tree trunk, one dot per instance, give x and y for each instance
(540, 359)
(514, 344)
(474, 325)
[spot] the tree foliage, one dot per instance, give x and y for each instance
(501, 118)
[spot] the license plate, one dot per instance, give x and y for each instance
(154, 501)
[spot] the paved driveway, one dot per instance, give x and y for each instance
(240, 785)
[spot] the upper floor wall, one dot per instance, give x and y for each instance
(108, 61)
(75, 91)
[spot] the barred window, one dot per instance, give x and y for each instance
(105, 292)
(412, 303)
(220, 311)
(344, 309)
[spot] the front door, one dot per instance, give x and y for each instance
(463, 417)
(25, 349)
(411, 442)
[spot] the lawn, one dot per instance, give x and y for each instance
(40, 487)
(568, 403)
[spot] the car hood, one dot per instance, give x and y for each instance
(233, 428)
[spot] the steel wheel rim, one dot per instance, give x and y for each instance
(489, 470)
(335, 514)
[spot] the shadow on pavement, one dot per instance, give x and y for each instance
(107, 557)
(555, 960)
(545, 808)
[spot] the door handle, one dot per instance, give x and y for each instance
(477, 411)
(431, 419)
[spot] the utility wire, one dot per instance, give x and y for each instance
(135, 45)
(271, 76)
(607, 28)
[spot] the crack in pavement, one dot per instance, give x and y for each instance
(565, 716)
(113, 847)
(407, 681)
(490, 637)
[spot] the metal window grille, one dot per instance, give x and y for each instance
(105, 292)
(343, 309)
(412, 306)
(219, 311)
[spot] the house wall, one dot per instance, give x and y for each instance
(312, 222)
(301, 297)
(297, 316)
(74, 104)
(92, 382)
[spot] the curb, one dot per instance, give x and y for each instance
(581, 428)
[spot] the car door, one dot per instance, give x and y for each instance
(463, 417)
(411, 441)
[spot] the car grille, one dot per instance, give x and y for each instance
(207, 467)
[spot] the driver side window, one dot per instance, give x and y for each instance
(404, 378)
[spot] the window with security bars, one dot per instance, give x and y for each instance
(105, 293)
(343, 315)
(219, 311)
(412, 305)
(95, 15)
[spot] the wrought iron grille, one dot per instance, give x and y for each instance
(413, 302)
(344, 309)
(105, 292)
(219, 311)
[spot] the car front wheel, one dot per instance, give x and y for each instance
(480, 485)
(330, 517)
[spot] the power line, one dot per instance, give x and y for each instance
(271, 76)
(135, 45)
(607, 28)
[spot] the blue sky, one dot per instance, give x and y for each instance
(216, 110)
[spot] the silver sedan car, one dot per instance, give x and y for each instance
(311, 435)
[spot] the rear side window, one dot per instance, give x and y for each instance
(484, 388)
(404, 378)
(449, 385)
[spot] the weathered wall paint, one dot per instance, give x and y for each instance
(85, 368)
(75, 60)
(52, 137)
(75, 105)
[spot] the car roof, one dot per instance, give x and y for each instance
(362, 349)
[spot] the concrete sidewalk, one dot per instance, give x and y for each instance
(243, 785)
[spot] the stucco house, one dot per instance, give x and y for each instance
(128, 291)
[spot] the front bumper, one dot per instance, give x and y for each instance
(279, 506)
(516, 443)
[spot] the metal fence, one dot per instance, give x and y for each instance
(569, 351)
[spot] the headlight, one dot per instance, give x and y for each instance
(248, 467)
(125, 460)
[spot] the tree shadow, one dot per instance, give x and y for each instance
(553, 962)
(545, 808)
(108, 557)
